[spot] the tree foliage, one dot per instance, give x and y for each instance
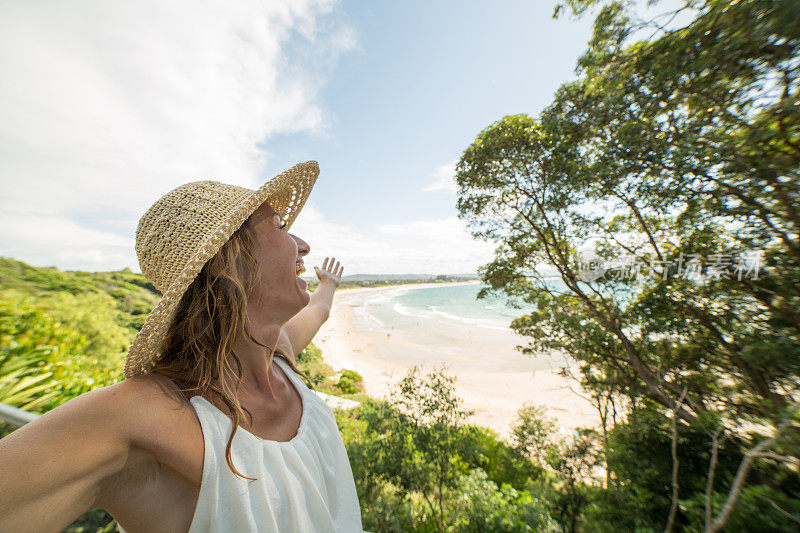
(670, 167)
(419, 467)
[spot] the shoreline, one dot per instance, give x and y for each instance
(356, 290)
(492, 377)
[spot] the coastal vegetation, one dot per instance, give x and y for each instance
(358, 281)
(416, 465)
(662, 186)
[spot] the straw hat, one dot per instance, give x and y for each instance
(186, 227)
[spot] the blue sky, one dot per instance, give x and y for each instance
(424, 79)
(106, 106)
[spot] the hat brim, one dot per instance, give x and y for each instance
(287, 194)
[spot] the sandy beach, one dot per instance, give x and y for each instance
(492, 377)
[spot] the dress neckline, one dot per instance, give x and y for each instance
(303, 414)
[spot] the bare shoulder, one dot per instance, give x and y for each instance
(39, 489)
(149, 403)
(166, 445)
(130, 446)
(150, 387)
(129, 399)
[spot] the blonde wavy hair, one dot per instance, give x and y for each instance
(200, 339)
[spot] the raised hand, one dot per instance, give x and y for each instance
(329, 271)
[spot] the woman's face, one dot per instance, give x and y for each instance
(281, 293)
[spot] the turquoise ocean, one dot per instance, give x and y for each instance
(407, 307)
(449, 303)
(448, 322)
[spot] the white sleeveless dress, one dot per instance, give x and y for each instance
(304, 484)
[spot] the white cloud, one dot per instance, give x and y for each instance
(444, 178)
(113, 104)
(56, 241)
(106, 106)
(442, 230)
(328, 239)
(441, 246)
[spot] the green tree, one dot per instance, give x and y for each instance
(350, 382)
(683, 145)
(423, 438)
(534, 433)
(418, 468)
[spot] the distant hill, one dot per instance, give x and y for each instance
(14, 273)
(108, 307)
(397, 277)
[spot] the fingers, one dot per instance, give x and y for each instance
(331, 265)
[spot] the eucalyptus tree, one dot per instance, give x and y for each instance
(661, 186)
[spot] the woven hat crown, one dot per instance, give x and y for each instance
(176, 226)
(188, 226)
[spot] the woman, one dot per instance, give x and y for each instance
(163, 450)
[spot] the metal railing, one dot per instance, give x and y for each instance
(16, 416)
(19, 417)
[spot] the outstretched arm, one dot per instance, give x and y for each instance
(302, 327)
(56, 468)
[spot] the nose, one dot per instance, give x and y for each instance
(302, 246)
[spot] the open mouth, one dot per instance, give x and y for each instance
(300, 269)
